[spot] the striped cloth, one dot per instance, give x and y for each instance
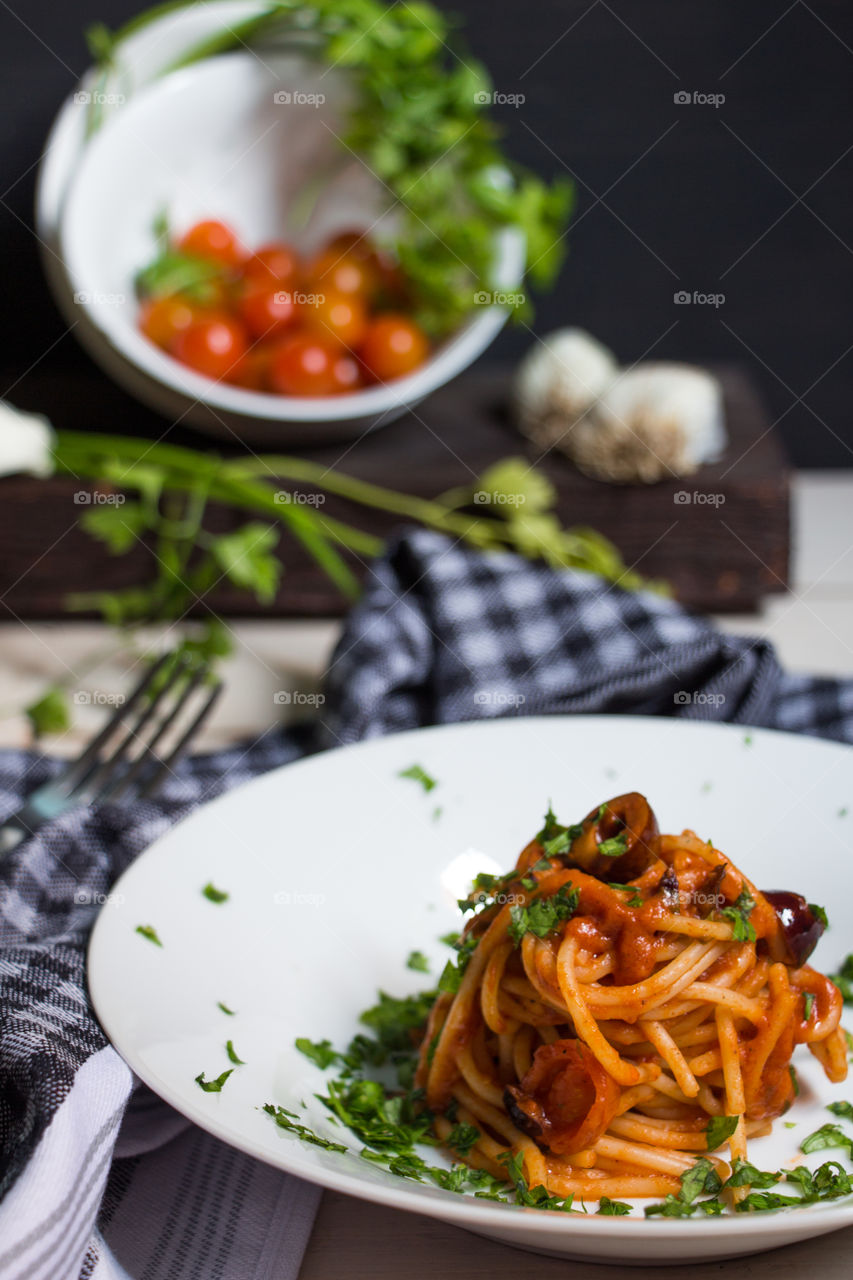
(98, 1177)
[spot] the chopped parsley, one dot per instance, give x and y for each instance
(828, 1135)
(843, 1109)
(819, 913)
(451, 977)
(289, 1120)
(418, 774)
(320, 1052)
(745, 1174)
(615, 846)
(533, 1197)
(542, 915)
(417, 961)
(636, 899)
(613, 1208)
(808, 1005)
(232, 1054)
(844, 980)
(213, 894)
(462, 1138)
(213, 1086)
(739, 913)
(224, 1008)
(719, 1130)
(701, 1177)
(148, 931)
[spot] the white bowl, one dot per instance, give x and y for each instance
(212, 140)
(315, 924)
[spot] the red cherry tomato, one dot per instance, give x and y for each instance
(213, 240)
(253, 371)
(273, 262)
(341, 316)
(213, 345)
(162, 319)
(343, 273)
(266, 308)
(393, 346)
(306, 365)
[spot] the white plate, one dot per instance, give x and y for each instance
(337, 869)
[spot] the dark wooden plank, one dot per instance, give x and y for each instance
(722, 550)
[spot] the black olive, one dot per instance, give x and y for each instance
(518, 1115)
(800, 927)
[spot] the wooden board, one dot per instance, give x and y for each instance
(722, 549)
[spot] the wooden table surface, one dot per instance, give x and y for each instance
(363, 1241)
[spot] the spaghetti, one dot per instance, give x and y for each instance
(623, 1001)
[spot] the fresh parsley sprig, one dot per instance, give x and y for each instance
(739, 913)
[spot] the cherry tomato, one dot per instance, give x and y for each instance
(213, 240)
(266, 308)
(343, 273)
(213, 345)
(393, 346)
(273, 262)
(162, 319)
(340, 315)
(356, 244)
(252, 372)
(305, 365)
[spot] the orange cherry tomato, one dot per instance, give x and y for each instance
(213, 240)
(341, 316)
(162, 319)
(213, 345)
(273, 262)
(253, 371)
(393, 346)
(306, 365)
(337, 272)
(266, 308)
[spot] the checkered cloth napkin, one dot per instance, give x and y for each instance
(98, 1177)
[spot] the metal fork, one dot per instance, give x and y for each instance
(97, 776)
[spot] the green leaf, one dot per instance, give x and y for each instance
(232, 1054)
(213, 1086)
(719, 1130)
(320, 1052)
(739, 913)
(287, 1120)
(246, 558)
(50, 713)
(224, 1008)
(417, 961)
(613, 1208)
(148, 931)
(173, 271)
(418, 774)
(118, 526)
(828, 1135)
(213, 894)
(843, 1109)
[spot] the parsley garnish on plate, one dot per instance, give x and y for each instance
(739, 913)
(636, 899)
(418, 774)
(148, 931)
(224, 1008)
(612, 1208)
(232, 1054)
(289, 1120)
(213, 894)
(213, 1086)
(719, 1130)
(843, 1109)
(417, 961)
(699, 1178)
(320, 1052)
(462, 1138)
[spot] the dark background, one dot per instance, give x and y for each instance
(750, 199)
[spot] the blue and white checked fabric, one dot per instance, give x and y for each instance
(98, 1178)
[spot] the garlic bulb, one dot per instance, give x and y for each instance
(629, 426)
(558, 380)
(26, 442)
(654, 421)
